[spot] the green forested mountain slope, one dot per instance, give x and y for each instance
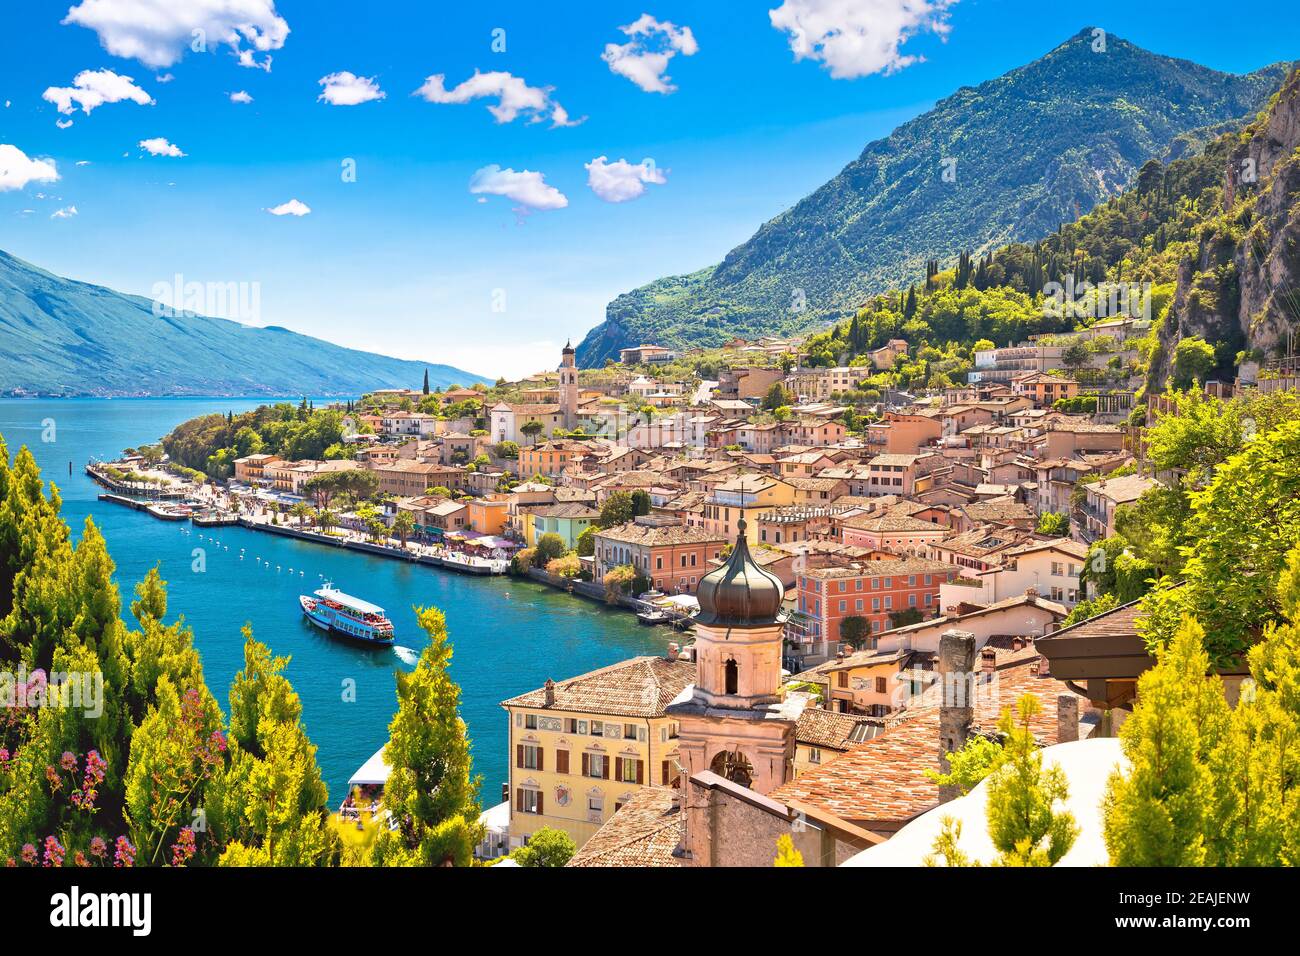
(62, 337)
(1033, 148)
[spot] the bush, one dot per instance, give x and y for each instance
(567, 566)
(546, 847)
(522, 561)
(549, 547)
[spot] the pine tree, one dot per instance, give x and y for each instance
(1024, 823)
(267, 807)
(430, 792)
(1156, 814)
(426, 381)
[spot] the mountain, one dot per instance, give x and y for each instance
(1237, 291)
(1033, 148)
(63, 337)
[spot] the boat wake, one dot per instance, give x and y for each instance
(406, 655)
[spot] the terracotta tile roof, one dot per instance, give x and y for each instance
(640, 687)
(996, 509)
(569, 509)
(831, 731)
(878, 569)
(880, 784)
(655, 536)
(644, 832)
(1124, 489)
(574, 494)
(890, 522)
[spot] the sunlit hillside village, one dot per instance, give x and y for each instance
(823, 549)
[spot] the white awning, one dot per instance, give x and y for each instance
(373, 773)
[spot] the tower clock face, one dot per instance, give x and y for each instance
(563, 796)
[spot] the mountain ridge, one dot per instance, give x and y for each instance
(1090, 123)
(66, 337)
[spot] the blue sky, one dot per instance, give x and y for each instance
(406, 260)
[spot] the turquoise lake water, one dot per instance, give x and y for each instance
(509, 636)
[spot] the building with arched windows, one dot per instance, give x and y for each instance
(736, 720)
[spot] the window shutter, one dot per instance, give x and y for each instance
(640, 772)
(586, 765)
(561, 761)
(605, 768)
(519, 799)
(541, 759)
(666, 771)
(540, 807)
(519, 755)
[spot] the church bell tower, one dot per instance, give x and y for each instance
(736, 720)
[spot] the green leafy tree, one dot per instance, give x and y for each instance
(1054, 524)
(550, 546)
(532, 428)
(430, 792)
(618, 509)
(404, 526)
(1241, 528)
(1193, 362)
(547, 847)
(855, 631)
(587, 543)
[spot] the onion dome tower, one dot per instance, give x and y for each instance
(735, 720)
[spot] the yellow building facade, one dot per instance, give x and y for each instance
(580, 748)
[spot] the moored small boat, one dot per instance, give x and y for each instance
(348, 617)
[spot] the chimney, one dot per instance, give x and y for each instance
(1031, 591)
(674, 651)
(956, 708)
(549, 688)
(1067, 718)
(988, 662)
(1017, 643)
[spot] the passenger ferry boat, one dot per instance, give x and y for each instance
(345, 616)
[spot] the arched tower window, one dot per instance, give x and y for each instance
(734, 766)
(731, 677)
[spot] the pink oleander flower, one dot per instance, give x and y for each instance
(183, 848)
(28, 853)
(125, 853)
(54, 852)
(68, 761)
(98, 847)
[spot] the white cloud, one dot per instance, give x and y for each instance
(159, 32)
(512, 93)
(240, 96)
(347, 89)
(158, 146)
(291, 208)
(83, 162)
(855, 38)
(621, 181)
(67, 212)
(63, 124)
(93, 88)
(644, 58)
(163, 78)
(17, 170)
(529, 189)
